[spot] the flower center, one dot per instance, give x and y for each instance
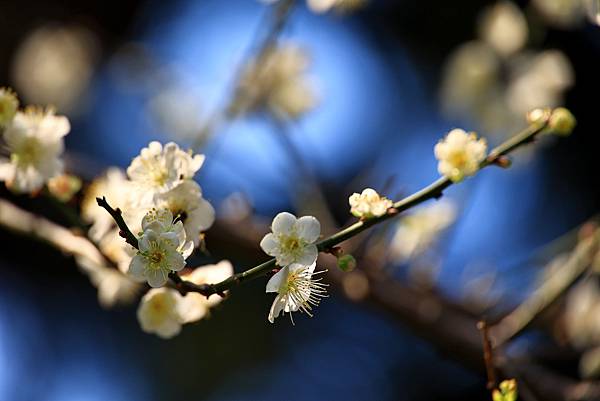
(27, 153)
(292, 244)
(458, 159)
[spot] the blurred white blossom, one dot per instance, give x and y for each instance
(460, 154)
(114, 287)
(369, 204)
(296, 289)
(195, 306)
(114, 186)
(159, 312)
(64, 186)
(493, 81)
(8, 106)
(35, 141)
(292, 240)
(417, 231)
(276, 81)
(162, 248)
(561, 13)
(503, 26)
(55, 64)
(582, 314)
(159, 169)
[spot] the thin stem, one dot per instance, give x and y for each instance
(434, 190)
(551, 290)
(117, 216)
(488, 355)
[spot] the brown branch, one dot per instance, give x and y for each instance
(117, 216)
(488, 354)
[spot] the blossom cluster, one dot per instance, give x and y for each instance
(34, 137)
(160, 202)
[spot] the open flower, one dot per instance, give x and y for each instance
(296, 290)
(369, 204)
(186, 203)
(292, 240)
(159, 312)
(460, 154)
(162, 248)
(159, 169)
(34, 139)
(8, 106)
(195, 306)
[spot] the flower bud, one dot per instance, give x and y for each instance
(507, 391)
(346, 263)
(8, 106)
(562, 122)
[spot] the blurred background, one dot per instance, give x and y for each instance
(380, 86)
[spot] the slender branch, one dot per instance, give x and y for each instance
(434, 190)
(117, 216)
(488, 354)
(541, 299)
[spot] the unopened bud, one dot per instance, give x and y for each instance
(562, 122)
(538, 115)
(346, 263)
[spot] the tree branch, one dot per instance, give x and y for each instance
(434, 190)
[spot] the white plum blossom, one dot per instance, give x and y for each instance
(418, 230)
(195, 306)
(296, 290)
(8, 106)
(162, 248)
(504, 27)
(292, 240)
(460, 154)
(159, 312)
(159, 169)
(186, 203)
(369, 204)
(34, 139)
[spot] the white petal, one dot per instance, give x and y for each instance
(169, 329)
(137, 267)
(187, 249)
(175, 261)
(192, 307)
(283, 223)
(308, 228)
(276, 308)
(156, 278)
(270, 245)
(309, 255)
(294, 267)
(278, 279)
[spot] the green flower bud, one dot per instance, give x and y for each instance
(346, 263)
